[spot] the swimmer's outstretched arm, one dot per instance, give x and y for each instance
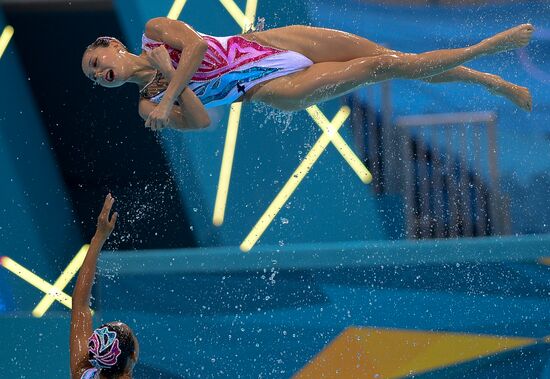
(81, 316)
(190, 114)
(192, 46)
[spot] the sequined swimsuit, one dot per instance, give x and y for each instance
(91, 373)
(231, 66)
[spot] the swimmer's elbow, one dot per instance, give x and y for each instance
(201, 120)
(187, 126)
(197, 126)
(202, 44)
(157, 24)
(156, 21)
(204, 123)
(200, 47)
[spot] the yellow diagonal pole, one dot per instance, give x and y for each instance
(175, 9)
(227, 163)
(5, 38)
(250, 11)
(295, 179)
(243, 20)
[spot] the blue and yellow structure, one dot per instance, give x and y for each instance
(328, 287)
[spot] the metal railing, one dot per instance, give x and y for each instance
(449, 189)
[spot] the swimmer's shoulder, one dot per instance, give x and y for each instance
(158, 25)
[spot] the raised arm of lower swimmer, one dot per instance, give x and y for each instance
(180, 36)
(105, 225)
(81, 317)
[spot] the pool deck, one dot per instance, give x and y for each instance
(331, 255)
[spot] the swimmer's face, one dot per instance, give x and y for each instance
(107, 66)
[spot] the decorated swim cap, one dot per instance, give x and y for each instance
(103, 348)
(106, 38)
(104, 41)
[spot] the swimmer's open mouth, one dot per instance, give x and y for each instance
(110, 76)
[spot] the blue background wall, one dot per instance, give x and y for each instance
(36, 225)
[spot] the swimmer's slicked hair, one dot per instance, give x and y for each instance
(104, 42)
(126, 344)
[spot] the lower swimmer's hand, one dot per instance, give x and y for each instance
(106, 222)
(159, 117)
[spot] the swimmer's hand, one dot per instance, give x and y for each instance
(159, 117)
(105, 225)
(160, 60)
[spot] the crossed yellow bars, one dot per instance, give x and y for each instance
(53, 292)
(330, 134)
(245, 20)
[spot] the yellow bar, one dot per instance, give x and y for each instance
(295, 179)
(233, 122)
(36, 281)
(341, 145)
(5, 38)
(176, 9)
(237, 14)
(61, 282)
(227, 163)
(250, 11)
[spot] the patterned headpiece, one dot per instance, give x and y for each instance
(103, 347)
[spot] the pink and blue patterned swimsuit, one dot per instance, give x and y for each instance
(91, 373)
(231, 66)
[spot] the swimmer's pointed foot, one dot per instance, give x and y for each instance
(525, 99)
(510, 39)
(521, 96)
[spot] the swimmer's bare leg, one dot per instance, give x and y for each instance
(326, 80)
(329, 45)
(319, 44)
(493, 83)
